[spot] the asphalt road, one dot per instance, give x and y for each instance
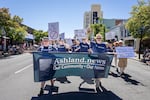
(17, 83)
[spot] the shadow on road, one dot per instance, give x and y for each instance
(63, 80)
(128, 79)
(86, 95)
(79, 96)
(86, 80)
(7, 57)
(113, 74)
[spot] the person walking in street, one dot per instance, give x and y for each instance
(122, 63)
(115, 44)
(45, 47)
(84, 46)
(75, 46)
(98, 47)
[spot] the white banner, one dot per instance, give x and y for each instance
(110, 35)
(80, 33)
(62, 36)
(69, 41)
(53, 31)
(125, 52)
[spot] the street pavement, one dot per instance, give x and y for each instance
(17, 83)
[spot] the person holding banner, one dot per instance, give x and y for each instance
(75, 46)
(109, 46)
(98, 47)
(62, 47)
(45, 47)
(116, 44)
(122, 64)
(84, 46)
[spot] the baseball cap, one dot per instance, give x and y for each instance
(120, 41)
(45, 38)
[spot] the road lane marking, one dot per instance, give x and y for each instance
(23, 69)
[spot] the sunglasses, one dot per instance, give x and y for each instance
(98, 38)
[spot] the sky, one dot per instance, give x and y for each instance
(69, 13)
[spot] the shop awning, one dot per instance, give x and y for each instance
(29, 36)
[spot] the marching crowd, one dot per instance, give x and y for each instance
(96, 46)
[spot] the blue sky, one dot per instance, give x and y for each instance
(69, 13)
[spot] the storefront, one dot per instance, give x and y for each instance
(29, 41)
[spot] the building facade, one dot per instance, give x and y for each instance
(92, 16)
(87, 19)
(119, 32)
(96, 13)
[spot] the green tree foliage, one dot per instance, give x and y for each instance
(98, 29)
(17, 19)
(39, 35)
(5, 19)
(140, 20)
(12, 25)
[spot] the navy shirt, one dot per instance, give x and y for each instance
(62, 48)
(75, 47)
(43, 49)
(98, 47)
(109, 49)
(84, 47)
(46, 48)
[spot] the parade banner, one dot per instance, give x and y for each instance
(125, 52)
(53, 31)
(54, 65)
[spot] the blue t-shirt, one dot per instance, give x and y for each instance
(109, 49)
(52, 48)
(61, 48)
(84, 47)
(46, 48)
(98, 48)
(43, 49)
(75, 47)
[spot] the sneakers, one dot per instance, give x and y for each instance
(41, 92)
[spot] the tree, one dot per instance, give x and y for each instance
(5, 19)
(17, 19)
(39, 34)
(138, 25)
(12, 26)
(140, 19)
(98, 29)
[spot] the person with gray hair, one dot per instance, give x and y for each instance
(45, 47)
